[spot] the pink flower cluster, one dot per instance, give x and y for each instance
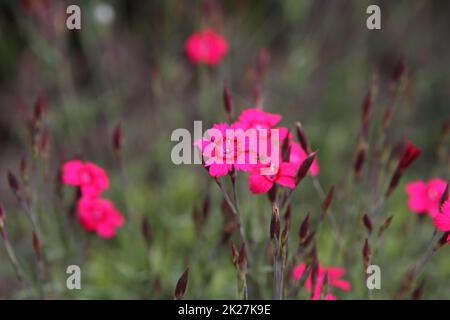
(95, 213)
(206, 47)
(224, 152)
(334, 280)
(424, 196)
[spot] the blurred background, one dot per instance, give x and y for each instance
(310, 61)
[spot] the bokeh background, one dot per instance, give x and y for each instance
(128, 65)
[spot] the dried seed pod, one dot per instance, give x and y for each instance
(180, 289)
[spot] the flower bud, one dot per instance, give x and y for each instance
(367, 222)
(180, 289)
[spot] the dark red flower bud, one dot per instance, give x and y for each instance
(37, 245)
(118, 138)
(305, 166)
(328, 200)
(367, 222)
(228, 102)
(385, 225)
(13, 182)
(39, 107)
(360, 159)
(180, 289)
(410, 154)
(304, 228)
(275, 224)
(399, 70)
(286, 149)
(2, 215)
(417, 293)
(242, 259)
(302, 138)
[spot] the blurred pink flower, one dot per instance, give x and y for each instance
(284, 175)
(442, 220)
(258, 119)
(424, 197)
(206, 47)
(334, 280)
(298, 155)
(99, 215)
(88, 176)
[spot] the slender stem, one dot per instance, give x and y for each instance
(429, 252)
(278, 271)
(11, 254)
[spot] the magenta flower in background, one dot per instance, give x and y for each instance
(88, 176)
(95, 213)
(99, 215)
(206, 47)
(284, 176)
(334, 280)
(442, 220)
(424, 197)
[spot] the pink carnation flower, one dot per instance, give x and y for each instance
(206, 47)
(284, 175)
(99, 215)
(334, 280)
(258, 119)
(89, 177)
(442, 220)
(424, 197)
(222, 152)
